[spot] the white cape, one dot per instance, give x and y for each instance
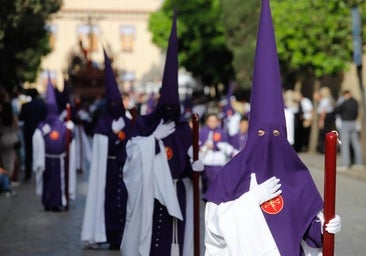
(147, 176)
(83, 148)
(93, 228)
(238, 227)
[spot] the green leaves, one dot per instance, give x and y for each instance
(202, 45)
(23, 38)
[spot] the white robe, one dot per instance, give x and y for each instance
(93, 227)
(39, 166)
(147, 176)
(83, 148)
(238, 227)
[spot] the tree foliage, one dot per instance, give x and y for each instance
(240, 20)
(23, 38)
(313, 37)
(202, 45)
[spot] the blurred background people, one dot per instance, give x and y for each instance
(5, 185)
(303, 121)
(239, 140)
(9, 140)
(347, 109)
(326, 117)
(215, 149)
(31, 114)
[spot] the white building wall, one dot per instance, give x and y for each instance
(108, 15)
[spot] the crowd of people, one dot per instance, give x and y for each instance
(140, 161)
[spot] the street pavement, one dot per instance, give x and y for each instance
(27, 230)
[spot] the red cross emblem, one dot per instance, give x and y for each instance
(273, 206)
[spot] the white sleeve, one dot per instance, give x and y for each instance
(39, 159)
(214, 241)
(38, 151)
(238, 227)
(72, 170)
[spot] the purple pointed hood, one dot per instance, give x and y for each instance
(150, 103)
(112, 94)
(63, 97)
(52, 108)
(268, 153)
(169, 95)
(169, 88)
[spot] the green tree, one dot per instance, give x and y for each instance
(23, 38)
(313, 37)
(240, 20)
(202, 46)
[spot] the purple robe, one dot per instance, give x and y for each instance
(55, 149)
(115, 189)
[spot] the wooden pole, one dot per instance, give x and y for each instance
(196, 188)
(67, 158)
(331, 140)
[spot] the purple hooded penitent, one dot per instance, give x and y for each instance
(55, 145)
(115, 190)
(290, 214)
(176, 145)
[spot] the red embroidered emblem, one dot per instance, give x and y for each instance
(54, 135)
(273, 206)
(169, 152)
(121, 135)
(216, 136)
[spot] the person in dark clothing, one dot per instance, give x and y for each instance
(31, 114)
(347, 109)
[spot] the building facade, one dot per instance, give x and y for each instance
(84, 27)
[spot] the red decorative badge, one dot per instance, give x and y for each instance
(54, 135)
(273, 206)
(121, 135)
(169, 152)
(216, 136)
